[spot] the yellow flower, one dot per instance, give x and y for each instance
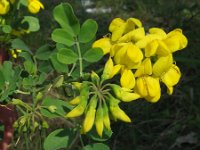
(157, 41)
(4, 7)
(167, 72)
(15, 52)
(119, 27)
(128, 55)
(171, 78)
(104, 44)
(34, 6)
(176, 40)
(156, 47)
(148, 87)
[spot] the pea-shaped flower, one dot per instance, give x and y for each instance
(128, 55)
(148, 87)
(119, 27)
(34, 6)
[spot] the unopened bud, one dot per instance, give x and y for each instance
(52, 108)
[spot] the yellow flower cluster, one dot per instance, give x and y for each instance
(143, 59)
(34, 6)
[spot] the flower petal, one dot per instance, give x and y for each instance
(158, 31)
(145, 68)
(120, 54)
(133, 36)
(134, 22)
(162, 65)
(127, 79)
(162, 49)
(117, 27)
(115, 48)
(116, 24)
(151, 48)
(134, 53)
(104, 44)
(147, 39)
(115, 71)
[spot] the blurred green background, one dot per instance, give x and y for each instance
(174, 122)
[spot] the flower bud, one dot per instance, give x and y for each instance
(106, 119)
(94, 77)
(75, 101)
(99, 121)
(52, 108)
(90, 115)
(116, 111)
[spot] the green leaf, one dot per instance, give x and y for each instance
(43, 53)
(67, 56)
(7, 29)
(2, 80)
(62, 107)
(19, 44)
(96, 146)
(33, 23)
(62, 36)
(42, 78)
(93, 55)
(65, 16)
(26, 56)
(7, 71)
(59, 67)
(59, 46)
(30, 67)
(88, 31)
(29, 82)
(60, 138)
(45, 66)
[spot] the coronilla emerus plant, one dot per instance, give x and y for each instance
(76, 78)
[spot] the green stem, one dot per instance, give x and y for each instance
(79, 57)
(21, 110)
(26, 141)
(22, 92)
(81, 140)
(72, 69)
